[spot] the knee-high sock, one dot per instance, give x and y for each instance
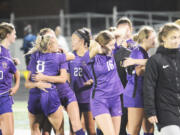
(80, 132)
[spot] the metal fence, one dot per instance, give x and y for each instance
(154, 19)
(68, 22)
(94, 21)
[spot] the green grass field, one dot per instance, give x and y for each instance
(22, 121)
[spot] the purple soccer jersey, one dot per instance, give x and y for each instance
(137, 53)
(46, 63)
(7, 68)
(4, 52)
(64, 89)
(80, 74)
(106, 80)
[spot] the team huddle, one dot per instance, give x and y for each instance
(108, 84)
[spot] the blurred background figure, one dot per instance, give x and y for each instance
(28, 40)
(61, 39)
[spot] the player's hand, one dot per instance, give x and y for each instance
(128, 62)
(43, 85)
(60, 50)
(153, 119)
(38, 77)
(16, 61)
(13, 91)
(89, 82)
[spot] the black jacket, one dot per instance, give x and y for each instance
(120, 56)
(161, 88)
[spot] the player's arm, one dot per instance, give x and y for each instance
(41, 85)
(68, 77)
(29, 84)
(15, 88)
(69, 56)
(140, 70)
(149, 89)
(62, 78)
(131, 61)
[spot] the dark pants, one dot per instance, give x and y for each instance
(124, 118)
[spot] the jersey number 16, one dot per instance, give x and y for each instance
(110, 65)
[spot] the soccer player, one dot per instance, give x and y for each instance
(125, 24)
(133, 98)
(67, 98)
(43, 96)
(8, 28)
(124, 45)
(80, 77)
(65, 93)
(7, 70)
(105, 96)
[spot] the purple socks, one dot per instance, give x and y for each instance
(80, 132)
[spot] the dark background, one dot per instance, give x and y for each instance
(52, 7)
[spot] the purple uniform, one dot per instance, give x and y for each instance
(66, 94)
(48, 64)
(105, 97)
(133, 91)
(80, 74)
(6, 67)
(4, 52)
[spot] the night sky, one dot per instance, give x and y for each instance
(52, 7)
